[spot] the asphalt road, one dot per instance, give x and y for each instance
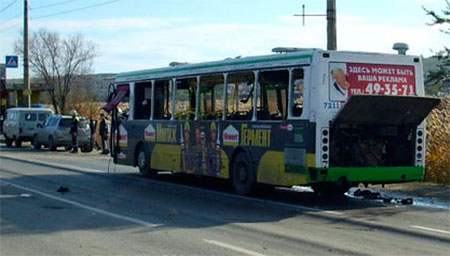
(114, 211)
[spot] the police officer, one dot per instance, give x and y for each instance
(74, 130)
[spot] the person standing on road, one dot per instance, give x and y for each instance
(74, 130)
(103, 130)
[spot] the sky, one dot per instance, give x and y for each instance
(142, 34)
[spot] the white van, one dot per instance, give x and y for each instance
(21, 123)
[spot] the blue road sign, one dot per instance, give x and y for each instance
(12, 61)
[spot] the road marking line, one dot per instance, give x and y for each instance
(234, 248)
(302, 207)
(80, 169)
(110, 214)
(57, 165)
(431, 229)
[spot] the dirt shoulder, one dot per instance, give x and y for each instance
(429, 190)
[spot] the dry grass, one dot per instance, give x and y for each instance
(438, 143)
(90, 110)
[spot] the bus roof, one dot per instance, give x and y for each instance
(300, 57)
(227, 65)
(30, 109)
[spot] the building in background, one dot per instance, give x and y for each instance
(16, 91)
(101, 84)
(95, 86)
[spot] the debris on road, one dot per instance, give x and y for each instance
(377, 196)
(63, 190)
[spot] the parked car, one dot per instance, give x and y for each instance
(56, 133)
(21, 123)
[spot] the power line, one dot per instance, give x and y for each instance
(9, 5)
(13, 17)
(51, 5)
(12, 26)
(74, 10)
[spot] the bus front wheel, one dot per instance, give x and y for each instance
(244, 181)
(143, 162)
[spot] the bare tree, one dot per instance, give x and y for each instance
(437, 77)
(59, 61)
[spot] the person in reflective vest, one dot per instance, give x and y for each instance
(74, 130)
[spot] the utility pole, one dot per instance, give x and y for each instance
(331, 25)
(26, 67)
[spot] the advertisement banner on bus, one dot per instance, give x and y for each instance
(347, 79)
(150, 133)
(230, 136)
(123, 136)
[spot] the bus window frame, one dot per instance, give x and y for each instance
(174, 92)
(152, 102)
(197, 99)
(256, 95)
(171, 97)
(174, 96)
(306, 94)
(224, 113)
(288, 93)
(225, 96)
(132, 100)
(199, 82)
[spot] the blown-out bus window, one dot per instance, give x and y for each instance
(211, 97)
(240, 93)
(163, 99)
(142, 102)
(272, 100)
(297, 92)
(186, 99)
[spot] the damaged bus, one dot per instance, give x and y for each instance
(325, 119)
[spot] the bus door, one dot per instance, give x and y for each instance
(299, 141)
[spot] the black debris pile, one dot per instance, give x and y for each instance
(63, 190)
(377, 196)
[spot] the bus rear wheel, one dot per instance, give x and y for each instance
(143, 162)
(244, 181)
